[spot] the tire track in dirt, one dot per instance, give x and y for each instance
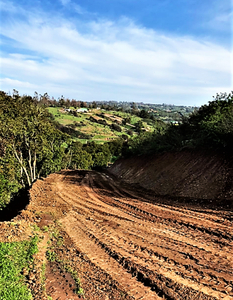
(98, 256)
(179, 217)
(172, 226)
(152, 250)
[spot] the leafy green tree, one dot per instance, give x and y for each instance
(61, 101)
(100, 153)
(211, 125)
(126, 120)
(34, 144)
(115, 147)
(144, 114)
(139, 126)
(78, 157)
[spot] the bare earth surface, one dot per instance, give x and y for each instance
(125, 243)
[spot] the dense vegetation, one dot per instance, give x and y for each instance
(209, 127)
(35, 143)
(31, 146)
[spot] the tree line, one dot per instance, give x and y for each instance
(209, 127)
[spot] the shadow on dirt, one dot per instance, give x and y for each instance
(133, 191)
(18, 203)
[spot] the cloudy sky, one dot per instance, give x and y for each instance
(154, 51)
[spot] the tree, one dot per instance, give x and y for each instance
(44, 100)
(212, 125)
(115, 147)
(61, 101)
(126, 120)
(116, 127)
(78, 157)
(67, 103)
(144, 114)
(33, 143)
(83, 104)
(100, 153)
(94, 105)
(139, 126)
(74, 103)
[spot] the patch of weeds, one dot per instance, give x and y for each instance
(79, 290)
(56, 240)
(43, 278)
(57, 222)
(15, 260)
(35, 227)
(13, 223)
(45, 229)
(54, 233)
(51, 255)
(60, 241)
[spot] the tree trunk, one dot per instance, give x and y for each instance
(34, 167)
(20, 160)
(30, 164)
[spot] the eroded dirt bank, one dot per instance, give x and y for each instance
(185, 174)
(128, 244)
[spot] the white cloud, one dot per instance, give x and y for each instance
(7, 6)
(119, 61)
(78, 9)
(221, 22)
(219, 16)
(65, 2)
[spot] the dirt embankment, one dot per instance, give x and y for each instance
(185, 174)
(123, 241)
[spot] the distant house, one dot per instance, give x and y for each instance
(83, 110)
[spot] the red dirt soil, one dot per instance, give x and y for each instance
(189, 175)
(127, 243)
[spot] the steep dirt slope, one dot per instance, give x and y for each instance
(126, 243)
(185, 174)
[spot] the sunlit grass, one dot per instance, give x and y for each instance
(14, 258)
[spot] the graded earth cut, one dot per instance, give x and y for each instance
(126, 243)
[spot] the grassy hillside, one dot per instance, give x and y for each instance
(100, 125)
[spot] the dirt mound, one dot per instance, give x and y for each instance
(185, 174)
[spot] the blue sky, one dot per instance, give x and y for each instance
(154, 51)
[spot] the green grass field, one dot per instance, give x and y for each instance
(96, 132)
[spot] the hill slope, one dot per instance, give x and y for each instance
(184, 174)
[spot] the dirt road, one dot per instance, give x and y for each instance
(127, 244)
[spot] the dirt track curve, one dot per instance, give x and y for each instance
(148, 249)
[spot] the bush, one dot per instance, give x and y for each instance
(116, 127)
